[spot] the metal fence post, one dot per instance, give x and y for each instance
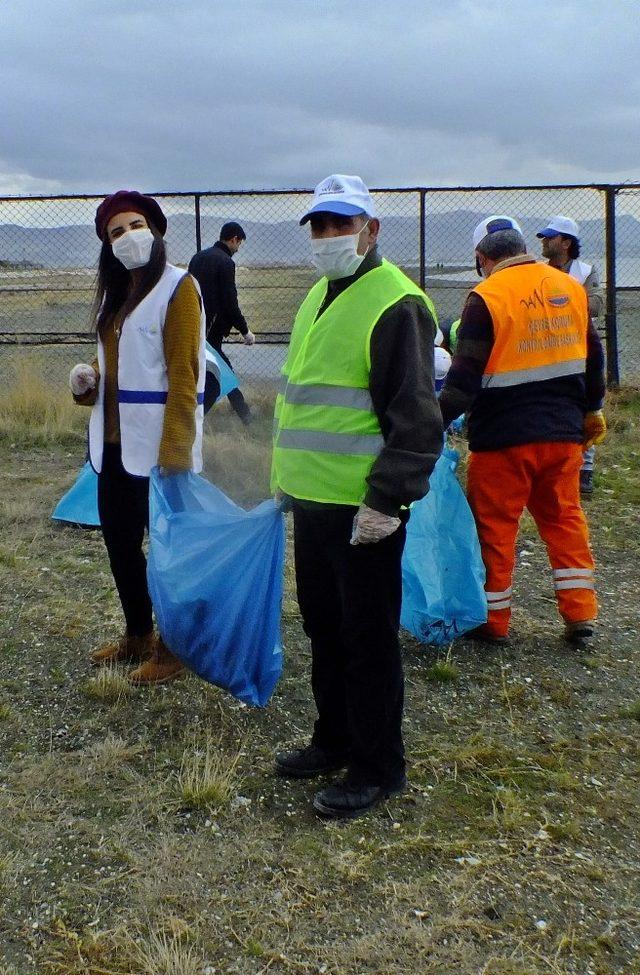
(610, 318)
(423, 270)
(198, 231)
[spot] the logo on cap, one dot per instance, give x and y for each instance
(332, 186)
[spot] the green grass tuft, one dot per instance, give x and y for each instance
(443, 671)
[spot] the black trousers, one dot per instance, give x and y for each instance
(123, 505)
(350, 597)
(235, 397)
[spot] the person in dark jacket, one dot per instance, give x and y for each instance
(358, 432)
(215, 271)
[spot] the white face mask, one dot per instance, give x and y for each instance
(337, 257)
(133, 249)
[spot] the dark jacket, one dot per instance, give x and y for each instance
(401, 383)
(215, 271)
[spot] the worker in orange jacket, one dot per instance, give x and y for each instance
(529, 371)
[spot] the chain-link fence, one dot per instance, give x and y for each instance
(48, 255)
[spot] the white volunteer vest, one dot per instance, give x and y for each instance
(580, 270)
(143, 383)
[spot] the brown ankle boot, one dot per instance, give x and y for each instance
(162, 666)
(126, 649)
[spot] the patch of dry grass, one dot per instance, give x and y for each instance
(109, 684)
(208, 777)
(32, 412)
(160, 953)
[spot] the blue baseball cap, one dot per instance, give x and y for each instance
(345, 195)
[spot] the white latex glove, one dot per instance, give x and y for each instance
(82, 378)
(249, 338)
(371, 526)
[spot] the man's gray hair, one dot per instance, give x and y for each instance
(502, 244)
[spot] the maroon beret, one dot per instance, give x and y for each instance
(125, 200)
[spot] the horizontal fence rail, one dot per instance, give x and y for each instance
(49, 250)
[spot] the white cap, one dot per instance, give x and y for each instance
(560, 225)
(345, 195)
(491, 225)
(442, 361)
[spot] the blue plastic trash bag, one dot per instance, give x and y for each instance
(80, 504)
(442, 570)
(226, 377)
(215, 574)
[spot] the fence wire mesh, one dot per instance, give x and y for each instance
(49, 250)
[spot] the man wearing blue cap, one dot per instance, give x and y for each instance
(358, 432)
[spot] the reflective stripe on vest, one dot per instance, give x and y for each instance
(536, 374)
(332, 443)
(322, 395)
(540, 321)
(326, 432)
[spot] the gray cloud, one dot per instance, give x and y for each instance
(276, 93)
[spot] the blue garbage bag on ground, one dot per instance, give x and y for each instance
(226, 377)
(442, 569)
(215, 574)
(79, 505)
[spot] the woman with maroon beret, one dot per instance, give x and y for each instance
(146, 388)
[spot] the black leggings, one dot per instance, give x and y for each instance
(123, 505)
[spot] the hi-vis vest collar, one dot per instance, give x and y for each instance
(143, 383)
(540, 321)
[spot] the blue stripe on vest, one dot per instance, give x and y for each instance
(148, 396)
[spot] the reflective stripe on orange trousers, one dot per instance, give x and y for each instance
(543, 477)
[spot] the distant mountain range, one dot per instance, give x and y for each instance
(448, 240)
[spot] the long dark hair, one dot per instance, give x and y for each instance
(116, 291)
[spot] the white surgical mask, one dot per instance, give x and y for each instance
(133, 249)
(337, 257)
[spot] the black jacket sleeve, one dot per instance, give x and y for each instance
(229, 311)
(402, 388)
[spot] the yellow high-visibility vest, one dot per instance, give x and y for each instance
(327, 435)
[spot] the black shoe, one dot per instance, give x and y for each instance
(482, 634)
(579, 634)
(305, 763)
(586, 483)
(344, 801)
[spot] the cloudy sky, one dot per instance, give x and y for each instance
(238, 94)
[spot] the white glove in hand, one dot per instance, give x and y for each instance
(371, 526)
(249, 338)
(82, 378)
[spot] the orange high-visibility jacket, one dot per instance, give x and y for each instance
(540, 321)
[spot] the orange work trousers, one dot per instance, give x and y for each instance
(543, 477)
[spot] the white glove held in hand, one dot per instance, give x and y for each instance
(82, 378)
(249, 338)
(372, 526)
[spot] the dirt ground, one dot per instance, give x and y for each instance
(143, 831)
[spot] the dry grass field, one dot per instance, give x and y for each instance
(142, 832)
